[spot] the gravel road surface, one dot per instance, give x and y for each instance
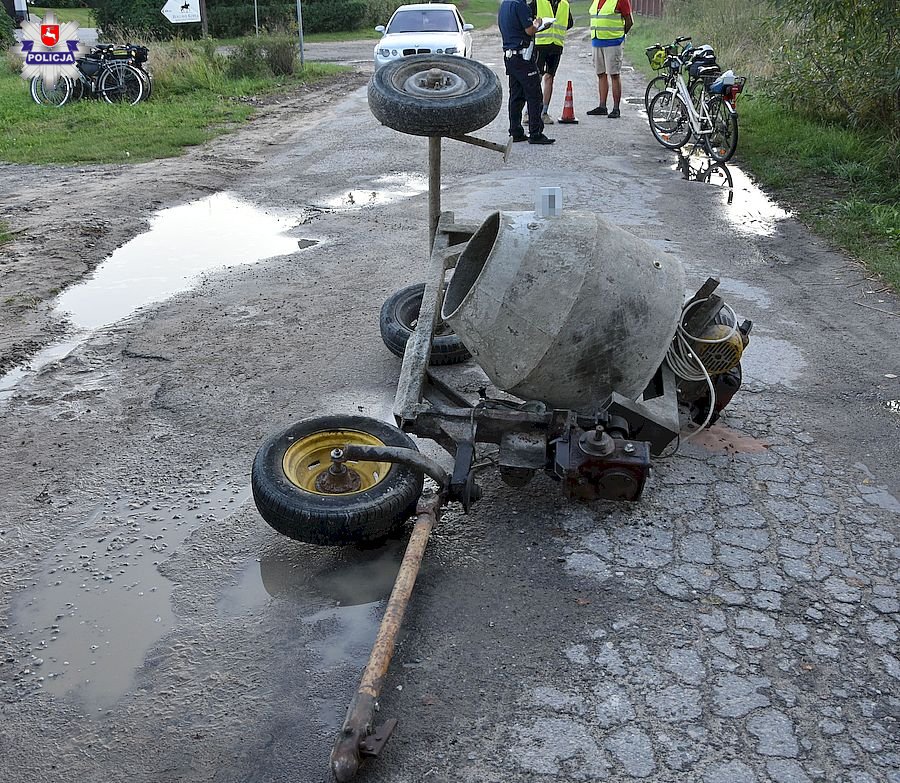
(738, 625)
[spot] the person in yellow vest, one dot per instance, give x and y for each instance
(548, 45)
(610, 21)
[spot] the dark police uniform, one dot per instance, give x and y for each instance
(513, 19)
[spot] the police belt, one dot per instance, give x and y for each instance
(510, 53)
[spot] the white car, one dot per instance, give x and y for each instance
(423, 28)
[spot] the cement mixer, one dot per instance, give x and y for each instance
(562, 344)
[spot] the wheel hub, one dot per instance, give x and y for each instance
(435, 82)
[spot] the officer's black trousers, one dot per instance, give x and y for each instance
(524, 87)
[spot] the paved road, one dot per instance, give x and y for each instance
(737, 625)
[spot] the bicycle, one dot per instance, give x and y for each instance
(693, 57)
(674, 118)
(103, 73)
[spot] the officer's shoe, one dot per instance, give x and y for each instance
(519, 137)
(540, 138)
(599, 111)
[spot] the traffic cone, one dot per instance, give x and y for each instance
(568, 115)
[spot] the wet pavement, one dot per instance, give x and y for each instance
(738, 625)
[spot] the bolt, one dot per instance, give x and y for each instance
(629, 448)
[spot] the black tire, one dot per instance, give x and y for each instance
(656, 85)
(399, 314)
(466, 95)
(56, 95)
(121, 83)
(695, 89)
(669, 121)
(147, 83)
(78, 89)
(722, 143)
(364, 515)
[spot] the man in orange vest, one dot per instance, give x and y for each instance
(610, 21)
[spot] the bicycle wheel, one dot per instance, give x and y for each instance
(721, 143)
(669, 120)
(656, 86)
(696, 92)
(45, 94)
(147, 81)
(121, 84)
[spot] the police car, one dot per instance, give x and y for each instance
(423, 28)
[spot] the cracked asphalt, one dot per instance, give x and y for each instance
(737, 625)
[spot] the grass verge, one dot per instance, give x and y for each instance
(5, 235)
(84, 16)
(842, 182)
(194, 100)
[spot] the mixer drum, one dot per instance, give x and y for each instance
(565, 310)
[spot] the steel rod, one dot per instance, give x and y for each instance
(345, 755)
(434, 188)
(410, 457)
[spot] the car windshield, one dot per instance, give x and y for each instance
(437, 21)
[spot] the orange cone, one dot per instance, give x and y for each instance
(568, 115)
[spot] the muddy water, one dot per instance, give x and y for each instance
(102, 603)
(745, 205)
(183, 242)
(380, 190)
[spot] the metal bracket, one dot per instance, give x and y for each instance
(375, 742)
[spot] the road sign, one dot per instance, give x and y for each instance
(178, 11)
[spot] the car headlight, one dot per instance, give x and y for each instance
(450, 50)
(393, 52)
(384, 52)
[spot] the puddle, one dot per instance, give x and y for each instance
(347, 577)
(103, 603)
(356, 582)
(381, 190)
(772, 361)
(216, 232)
(750, 210)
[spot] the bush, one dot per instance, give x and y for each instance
(332, 16)
(247, 60)
(6, 30)
(280, 53)
(837, 58)
(141, 17)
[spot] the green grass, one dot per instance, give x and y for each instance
(187, 108)
(84, 16)
(5, 235)
(481, 13)
(842, 182)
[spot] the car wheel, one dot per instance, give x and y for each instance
(435, 95)
(295, 495)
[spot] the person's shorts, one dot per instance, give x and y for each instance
(548, 58)
(608, 59)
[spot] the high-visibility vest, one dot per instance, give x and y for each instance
(606, 24)
(557, 33)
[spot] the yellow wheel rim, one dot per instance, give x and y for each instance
(308, 458)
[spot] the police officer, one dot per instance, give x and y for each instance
(516, 29)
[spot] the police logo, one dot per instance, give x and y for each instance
(50, 49)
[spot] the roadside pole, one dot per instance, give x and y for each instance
(300, 30)
(204, 27)
(256, 16)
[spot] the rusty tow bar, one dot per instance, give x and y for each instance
(359, 736)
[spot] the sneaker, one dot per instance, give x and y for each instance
(548, 120)
(540, 139)
(519, 137)
(614, 114)
(601, 110)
